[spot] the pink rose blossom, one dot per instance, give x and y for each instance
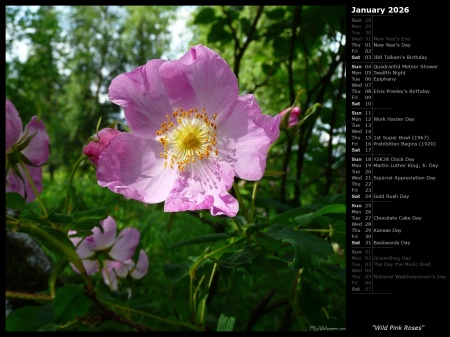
(96, 146)
(29, 146)
(115, 269)
(293, 116)
(117, 253)
(191, 134)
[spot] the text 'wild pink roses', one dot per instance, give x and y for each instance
(26, 151)
(191, 134)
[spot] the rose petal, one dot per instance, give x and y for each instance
(13, 126)
(110, 278)
(100, 241)
(200, 79)
(75, 240)
(125, 244)
(293, 116)
(131, 166)
(37, 150)
(203, 185)
(244, 138)
(143, 98)
(95, 147)
(111, 271)
(23, 187)
(141, 267)
(117, 267)
(83, 248)
(91, 266)
(270, 124)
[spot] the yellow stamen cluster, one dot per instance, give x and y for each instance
(189, 136)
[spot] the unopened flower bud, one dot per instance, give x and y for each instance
(99, 142)
(289, 119)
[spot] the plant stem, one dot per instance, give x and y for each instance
(193, 269)
(28, 296)
(284, 168)
(252, 205)
(57, 270)
(241, 202)
(212, 275)
(295, 302)
(239, 227)
(36, 193)
(72, 174)
(317, 230)
(156, 318)
(207, 256)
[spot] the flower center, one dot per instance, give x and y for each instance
(192, 137)
(189, 140)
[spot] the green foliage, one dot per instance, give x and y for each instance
(35, 317)
(70, 302)
(225, 323)
(204, 16)
(309, 249)
(204, 239)
(15, 201)
(88, 219)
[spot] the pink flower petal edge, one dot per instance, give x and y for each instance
(36, 151)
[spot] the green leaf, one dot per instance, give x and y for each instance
(305, 219)
(203, 239)
(55, 241)
(70, 302)
(32, 212)
(60, 218)
(49, 327)
(276, 14)
(75, 200)
(254, 228)
(30, 318)
(281, 46)
(201, 309)
(243, 256)
(175, 272)
(88, 219)
(225, 323)
(270, 245)
(15, 201)
(235, 11)
(232, 304)
(206, 15)
(339, 235)
(288, 217)
(218, 33)
(267, 69)
(246, 25)
(240, 220)
(275, 30)
(309, 249)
